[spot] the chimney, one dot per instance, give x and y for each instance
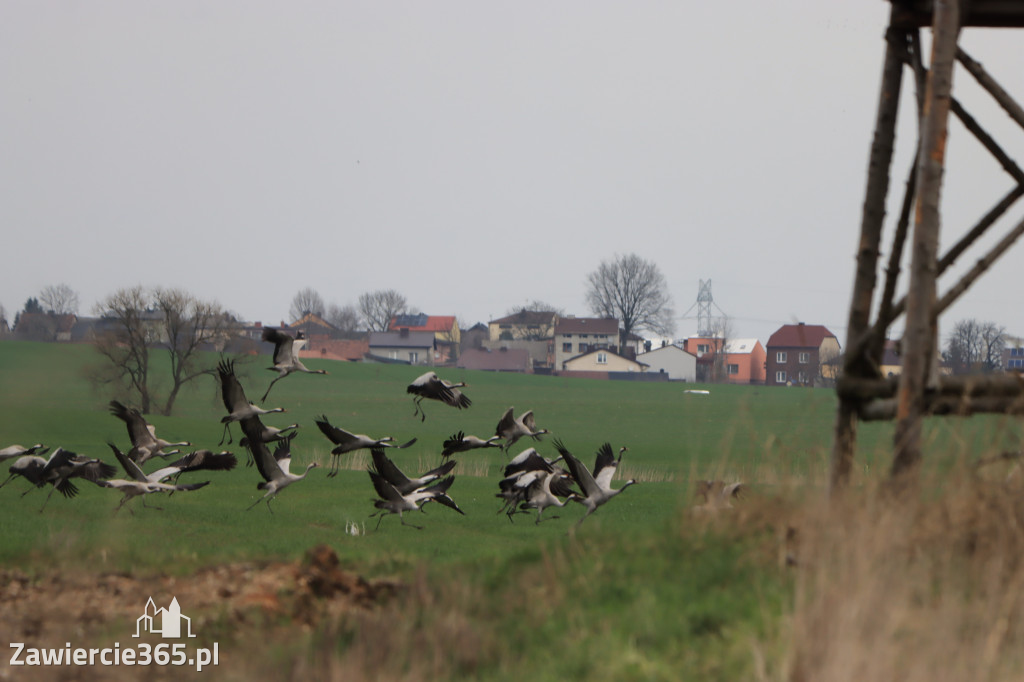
(404, 332)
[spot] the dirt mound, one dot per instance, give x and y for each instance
(53, 606)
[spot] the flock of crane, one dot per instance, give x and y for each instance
(530, 481)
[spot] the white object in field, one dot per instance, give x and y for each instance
(697, 391)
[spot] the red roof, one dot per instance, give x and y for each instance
(799, 336)
(433, 323)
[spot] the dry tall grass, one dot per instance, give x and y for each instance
(926, 583)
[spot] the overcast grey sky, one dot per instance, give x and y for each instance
(471, 155)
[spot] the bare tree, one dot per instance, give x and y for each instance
(140, 321)
(830, 364)
(189, 325)
(306, 302)
(974, 346)
(721, 334)
(634, 291)
(379, 307)
(126, 341)
(993, 342)
(59, 299)
(345, 319)
(535, 321)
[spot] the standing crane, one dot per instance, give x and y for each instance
(433, 387)
(286, 356)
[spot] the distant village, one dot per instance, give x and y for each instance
(530, 342)
(536, 342)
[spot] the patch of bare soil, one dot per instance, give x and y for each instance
(89, 609)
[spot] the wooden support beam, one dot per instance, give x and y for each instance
(919, 341)
(986, 81)
(872, 220)
(980, 267)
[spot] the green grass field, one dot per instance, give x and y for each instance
(735, 432)
(643, 590)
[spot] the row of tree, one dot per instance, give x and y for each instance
(375, 311)
(143, 322)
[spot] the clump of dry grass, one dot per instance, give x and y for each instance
(920, 583)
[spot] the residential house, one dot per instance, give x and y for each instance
(540, 351)
(312, 325)
(345, 350)
(703, 345)
(527, 330)
(602, 360)
(503, 360)
(744, 361)
(707, 349)
(631, 345)
(892, 363)
(678, 364)
(526, 325)
(474, 337)
(44, 326)
(579, 335)
(445, 329)
(403, 346)
(801, 354)
(1013, 357)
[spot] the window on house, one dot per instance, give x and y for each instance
(393, 354)
(1016, 351)
(602, 358)
(566, 347)
(703, 348)
(414, 357)
(801, 377)
(804, 357)
(780, 376)
(780, 357)
(1016, 364)
(584, 347)
(732, 370)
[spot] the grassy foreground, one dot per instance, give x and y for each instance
(925, 585)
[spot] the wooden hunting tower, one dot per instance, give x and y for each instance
(920, 391)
